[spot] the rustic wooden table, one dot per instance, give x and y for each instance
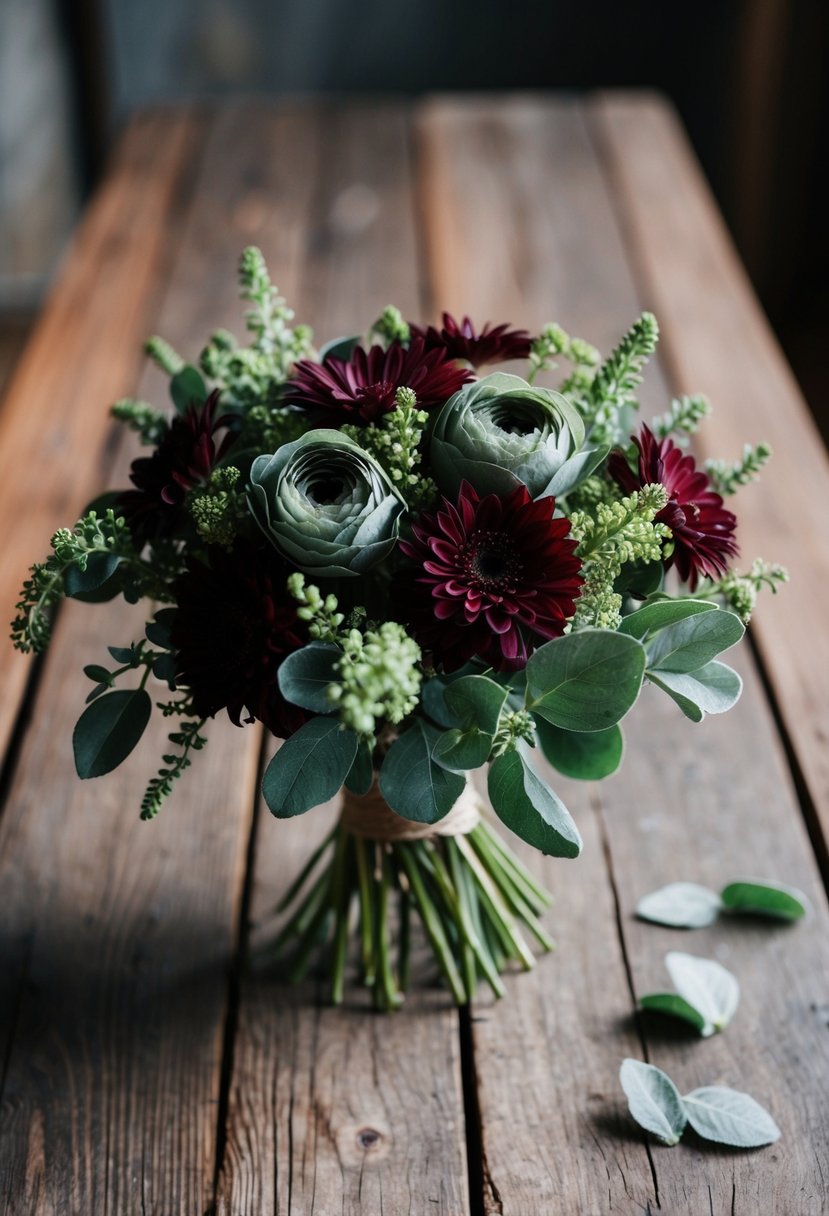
(143, 1070)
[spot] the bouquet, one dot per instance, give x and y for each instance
(407, 567)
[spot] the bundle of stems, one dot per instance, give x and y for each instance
(472, 894)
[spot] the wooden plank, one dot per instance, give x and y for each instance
(519, 229)
(726, 349)
(704, 804)
(336, 1109)
(84, 353)
(732, 807)
(117, 935)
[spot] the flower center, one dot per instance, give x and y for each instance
(326, 490)
(489, 561)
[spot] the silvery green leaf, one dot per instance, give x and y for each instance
(653, 1100)
(689, 644)
(707, 986)
(674, 1006)
(681, 905)
(728, 1116)
(661, 613)
(763, 898)
(712, 689)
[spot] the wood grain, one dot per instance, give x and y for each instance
(117, 936)
(338, 1109)
(519, 227)
(696, 803)
(717, 340)
(85, 353)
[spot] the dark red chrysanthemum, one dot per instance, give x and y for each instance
(703, 529)
(494, 344)
(361, 389)
(493, 574)
(184, 458)
(234, 624)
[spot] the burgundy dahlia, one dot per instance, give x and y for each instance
(494, 344)
(234, 624)
(361, 389)
(184, 458)
(703, 529)
(493, 575)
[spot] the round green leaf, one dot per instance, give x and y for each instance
(681, 905)
(100, 567)
(461, 750)
(361, 773)
(587, 756)
(690, 644)
(413, 783)
(763, 898)
(674, 1006)
(305, 676)
(187, 388)
(528, 807)
(728, 1116)
(309, 767)
(653, 1100)
(586, 681)
(713, 689)
(109, 729)
(476, 701)
(651, 617)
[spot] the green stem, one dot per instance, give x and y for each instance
(366, 885)
(432, 922)
(391, 996)
(499, 913)
(341, 900)
(483, 834)
(475, 944)
(404, 940)
(514, 898)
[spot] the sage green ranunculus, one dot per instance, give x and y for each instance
(499, 432)
(326, 504)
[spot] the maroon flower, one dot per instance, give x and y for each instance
(234, 624)
(494, 573)
(703, 530)
(362, 388)
(494, 344)
(184, 458)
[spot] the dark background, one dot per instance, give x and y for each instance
(747, 77)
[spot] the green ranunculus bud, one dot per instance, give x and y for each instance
(499, 432)
(326, 504)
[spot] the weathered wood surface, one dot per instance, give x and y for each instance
(705, 804)
(140, 1071)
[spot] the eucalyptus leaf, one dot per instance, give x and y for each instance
(98, 674)
(728, 1116)
(412, 782)
(476, 701)
(433, 701)
(159, 629)
(585, 681)
(461, 750)
(339, 348)
(528, 806)
(305, 676)
(309, 767)
(689, 644)
(681, 905)
(707, 986)
(122, 654)
(674, 1006)
(361, 774)
(712, 689)
(639, 579)
(653, 1100)
(187, 387)
(100, 567)
(108, 730)
(652, 617)
(763, 898)
(587, 756)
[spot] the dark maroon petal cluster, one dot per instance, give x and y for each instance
(492, 576)
(234, 625)
(703, 529)
(494, 344)
(361, 389)
(184, 459)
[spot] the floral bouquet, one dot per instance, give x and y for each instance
(407, 570)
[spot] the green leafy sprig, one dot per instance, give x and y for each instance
(727, 478)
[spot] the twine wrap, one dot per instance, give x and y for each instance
(370, 817)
